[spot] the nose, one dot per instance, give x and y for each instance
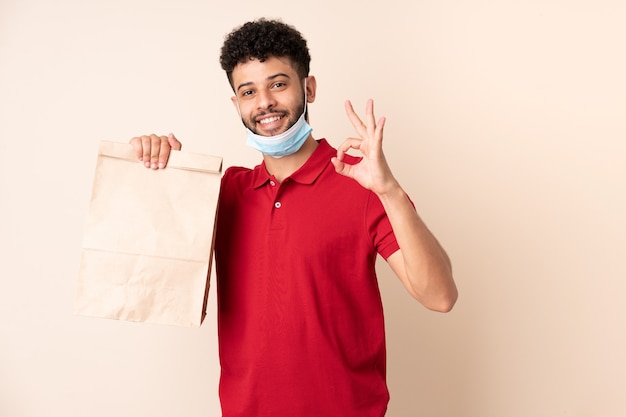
(265, 99)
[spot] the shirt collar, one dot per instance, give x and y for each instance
(307, 173)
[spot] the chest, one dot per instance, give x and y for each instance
(295, 219)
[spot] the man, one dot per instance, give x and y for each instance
(300, 320)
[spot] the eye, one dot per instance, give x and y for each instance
(246, 93)
(279, 84)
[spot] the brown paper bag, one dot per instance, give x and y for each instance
(148, 240)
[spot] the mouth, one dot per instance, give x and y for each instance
(270, 122)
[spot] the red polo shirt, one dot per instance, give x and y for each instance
(300, 317)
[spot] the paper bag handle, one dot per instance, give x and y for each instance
(177, 159)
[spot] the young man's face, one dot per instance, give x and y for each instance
(269, 94)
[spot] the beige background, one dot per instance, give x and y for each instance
(506, 124)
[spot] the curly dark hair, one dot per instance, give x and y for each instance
(263, 38)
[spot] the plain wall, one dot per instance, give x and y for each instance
(505, 125)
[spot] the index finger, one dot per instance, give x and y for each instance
(354, 118)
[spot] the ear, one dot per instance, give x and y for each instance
(311, 88)
(233, 99)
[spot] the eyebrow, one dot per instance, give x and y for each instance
(270, 78)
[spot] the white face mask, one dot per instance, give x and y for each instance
(286, 143)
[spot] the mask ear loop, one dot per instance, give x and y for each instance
(306, 105)
(240, 116)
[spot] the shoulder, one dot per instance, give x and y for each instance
(236, 171)
(238, 179)
(235, 175)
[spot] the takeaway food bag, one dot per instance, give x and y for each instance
(148, 239)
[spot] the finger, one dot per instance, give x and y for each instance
(146, 146)
(156, 143)
(136, 144)
(354, 118)
(375, 128)
(380, 126)
(369, 114)
(350, 143)
(164, 153)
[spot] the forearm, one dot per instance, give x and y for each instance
(422, 264)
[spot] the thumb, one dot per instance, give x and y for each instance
(174, 143)
(340, 166)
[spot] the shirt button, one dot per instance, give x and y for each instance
(277, 204)
(272, 183)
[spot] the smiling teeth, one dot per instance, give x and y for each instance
(269, 120)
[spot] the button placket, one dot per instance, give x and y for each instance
(274, 185)
(278, 209)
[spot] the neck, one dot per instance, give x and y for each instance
(282, 168)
